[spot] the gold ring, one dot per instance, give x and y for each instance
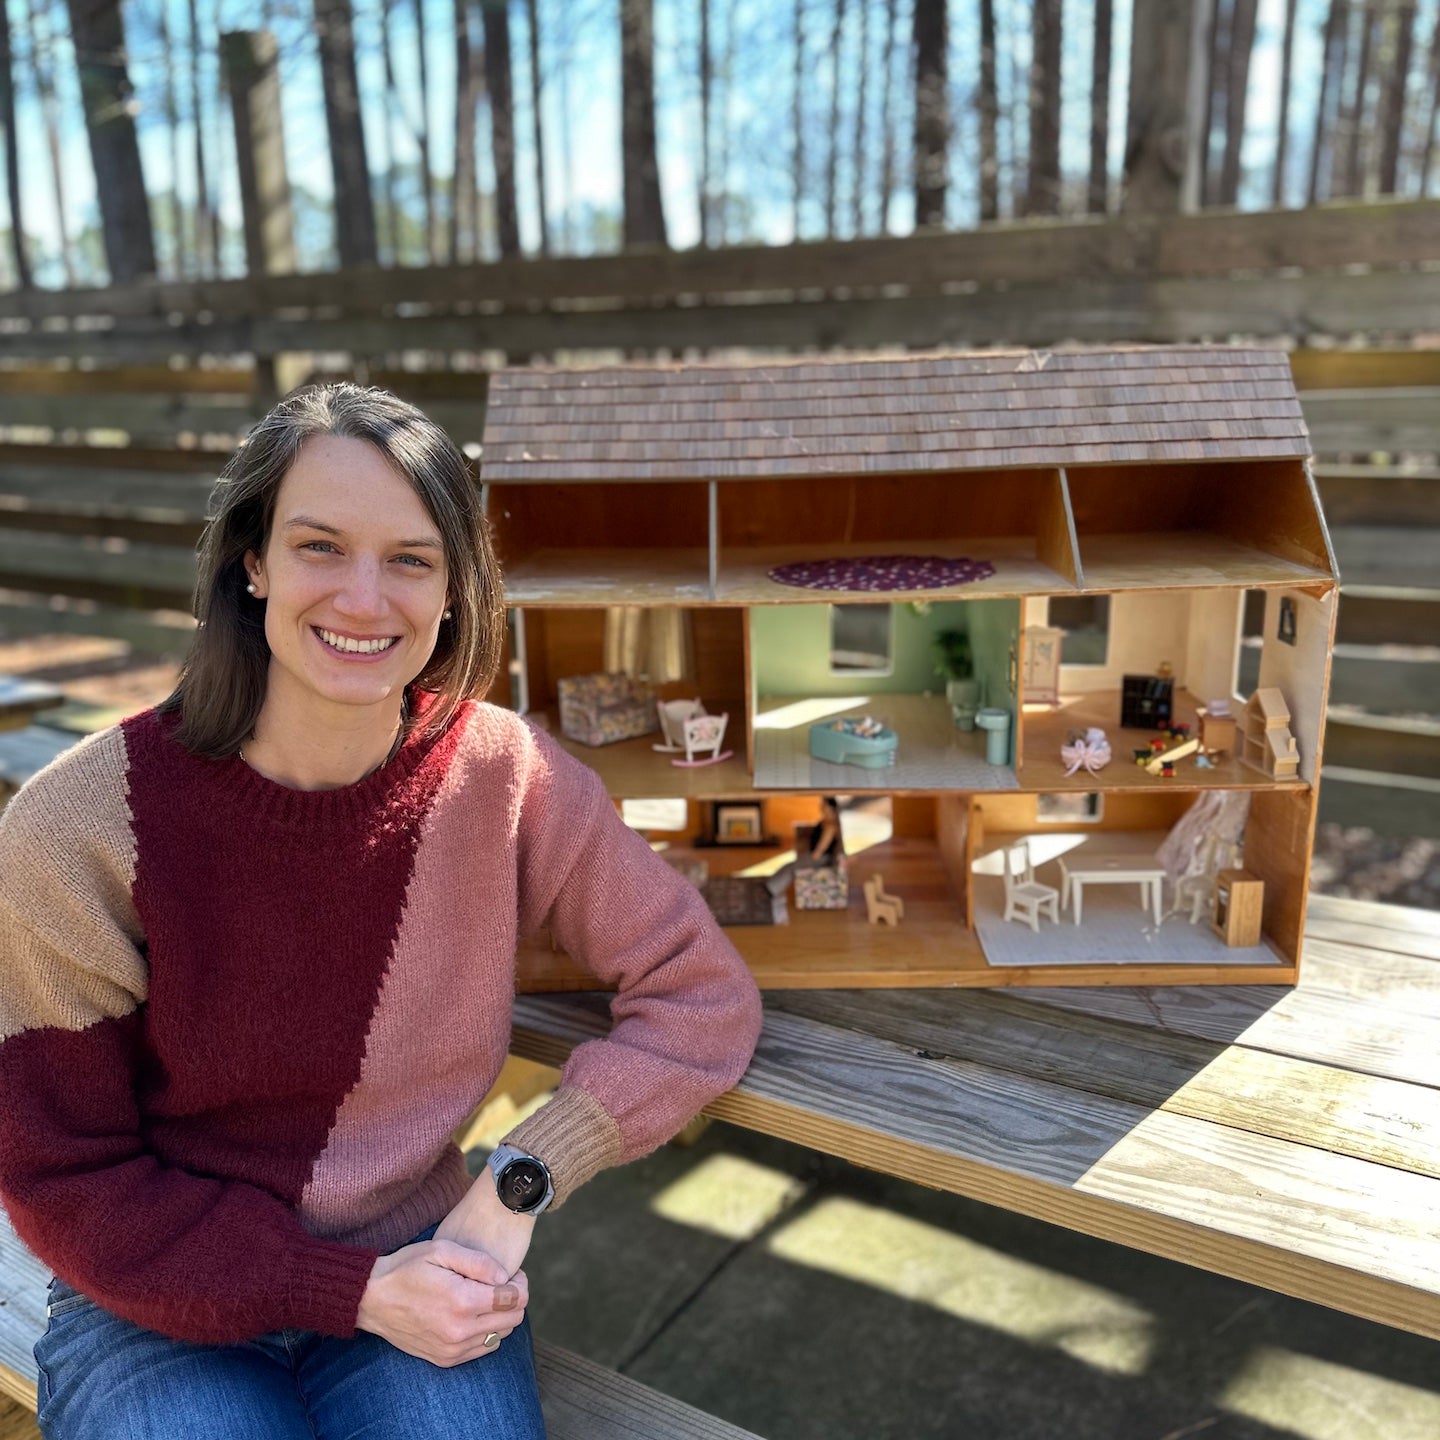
(491, 1339)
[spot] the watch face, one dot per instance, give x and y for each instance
(521, 1185)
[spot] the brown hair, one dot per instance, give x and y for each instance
(222, 683)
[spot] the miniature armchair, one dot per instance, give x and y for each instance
(601, 709)
(1024, 895)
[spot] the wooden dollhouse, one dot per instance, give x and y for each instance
(803, 535)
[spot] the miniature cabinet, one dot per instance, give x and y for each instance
(1042, 664)
(963, 492)
(1239, 905)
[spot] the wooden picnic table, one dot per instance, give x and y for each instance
(21, 700)
(1286, 1137)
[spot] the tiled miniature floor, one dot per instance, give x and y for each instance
(1115, 931)
(932, 753)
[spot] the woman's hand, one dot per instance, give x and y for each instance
(441, 1301)
(481, 1222)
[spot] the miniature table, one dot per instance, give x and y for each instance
(1079, 870)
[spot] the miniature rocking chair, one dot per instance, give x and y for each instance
(1024, 895)
(880, 906)
(704, 732)
(673, 715)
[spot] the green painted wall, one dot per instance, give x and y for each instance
(790, 647)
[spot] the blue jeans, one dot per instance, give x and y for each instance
(102, 1378)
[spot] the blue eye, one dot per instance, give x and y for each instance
(416, 560)
(318, 545)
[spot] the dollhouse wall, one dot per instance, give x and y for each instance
(1298, 671)
(790, 648)
(1213, 648)
(995, 648)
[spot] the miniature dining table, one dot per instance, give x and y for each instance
(1079, 869)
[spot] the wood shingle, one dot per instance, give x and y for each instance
(995, 409)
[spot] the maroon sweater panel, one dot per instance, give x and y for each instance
(267, 951)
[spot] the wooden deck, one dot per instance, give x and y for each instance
(1286, 1137)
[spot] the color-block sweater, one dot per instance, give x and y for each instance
(239, 1022)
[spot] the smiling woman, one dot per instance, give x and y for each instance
(257, 953)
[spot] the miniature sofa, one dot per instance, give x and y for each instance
(601, 709)
(839, 742)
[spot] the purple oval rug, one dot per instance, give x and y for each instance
(882, 572)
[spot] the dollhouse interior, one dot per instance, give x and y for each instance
(1049, 767)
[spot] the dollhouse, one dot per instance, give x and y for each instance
(1018, 576)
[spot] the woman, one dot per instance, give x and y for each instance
(256, 964)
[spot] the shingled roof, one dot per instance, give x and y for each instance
(993, 409)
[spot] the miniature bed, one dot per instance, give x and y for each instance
(700, 529)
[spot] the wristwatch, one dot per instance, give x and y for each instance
(522, 1180)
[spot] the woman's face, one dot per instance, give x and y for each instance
(353, 577)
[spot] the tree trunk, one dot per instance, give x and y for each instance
(207, 246)
(354, 212)
(723, 210)
(464, 231)
(1282, 139)
(832, 156)
(1169, 81)
(861, 102)
(644, 210)
(172, 135)
(887, 119)
(50, 109)
(251, 67)
(23, 277)
(1242, 43)
(1392, 108)
(1215, 97)
(392, 103)
(1427, 154)
(1332, 76)
(706, 75)
(1098, 193)
(1042, 191)
(797, 171)
(498, 78)
(532, 12)
(932, 112)
(422, 141)
(1354, 127)
(106, 93)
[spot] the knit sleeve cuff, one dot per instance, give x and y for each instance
(574, 1134)
(326, 1283)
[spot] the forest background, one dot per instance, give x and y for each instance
(429, 131)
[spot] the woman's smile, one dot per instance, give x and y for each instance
(354, 647)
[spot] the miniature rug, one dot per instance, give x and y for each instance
(882, 572)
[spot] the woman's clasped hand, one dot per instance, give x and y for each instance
(442, 1302)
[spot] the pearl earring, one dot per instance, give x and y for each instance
(251, 587)
(446, 615)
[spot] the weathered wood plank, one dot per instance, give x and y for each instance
(1356, 739)
(1380, 494)
(141, 415)
(1387, 803)
(136, 573)
(1206, 244)
(1401, 928)
(1392, 617)
(1390, 679)
(1347, 369)
(159, 632)
(1364, 422)
(1096, 311)
(1386, 555)
(1328, 1228)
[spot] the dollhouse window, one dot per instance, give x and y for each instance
(1085, 619)
(1084, 809)
(654, 814)
(861, 639)
(1252, 638)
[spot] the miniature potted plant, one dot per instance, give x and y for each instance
(962, 690)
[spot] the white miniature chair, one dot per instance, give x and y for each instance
(1198, 889)
(673, 715)
(1024, 895)
(704, 732)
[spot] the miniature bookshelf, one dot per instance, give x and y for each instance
(1172, 480)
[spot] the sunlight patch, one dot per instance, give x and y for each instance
(972, 1282)
(1318, 1400)
(728, 1196)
